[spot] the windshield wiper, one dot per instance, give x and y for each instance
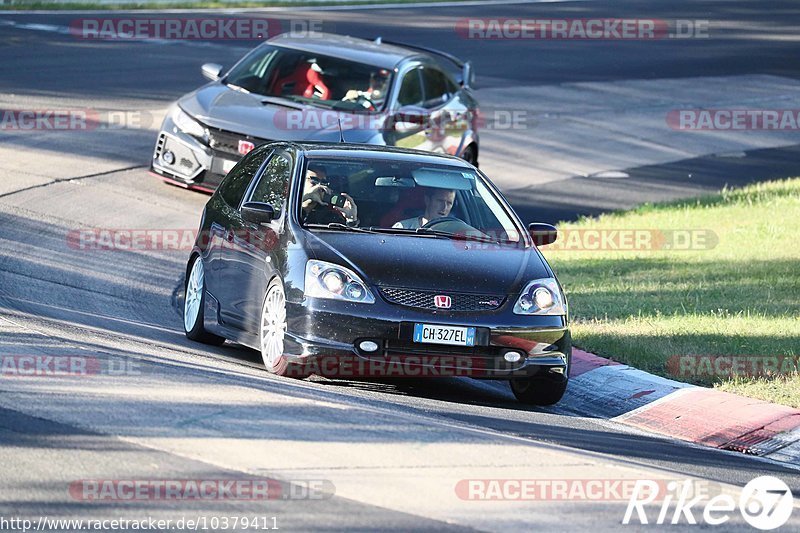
(457, 236)
(235, 87)
(349, 107)
(393, 231)
(281, 100)
(340, 227)
(434, 233)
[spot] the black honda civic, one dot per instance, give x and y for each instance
(353, 260)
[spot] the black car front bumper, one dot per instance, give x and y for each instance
(324, 335)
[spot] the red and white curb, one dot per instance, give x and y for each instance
(695, 414)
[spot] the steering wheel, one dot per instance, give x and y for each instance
(361, 99)
(443, 220)
(455, 226)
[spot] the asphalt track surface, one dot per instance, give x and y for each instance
(393, 449)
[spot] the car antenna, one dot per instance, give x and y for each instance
(341, 133)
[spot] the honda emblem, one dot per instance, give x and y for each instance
(442, 301)
(245, 147)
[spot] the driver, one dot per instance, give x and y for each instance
(375, 93)
(317, 195)
(438, 203)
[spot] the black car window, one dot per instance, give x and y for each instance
(235, 183)
(393, 191)
(436, 87)
(410, 89)
(273, 185)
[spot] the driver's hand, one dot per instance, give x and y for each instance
(317, 194)
(352, 94)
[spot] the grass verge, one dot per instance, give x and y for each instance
(711, 296)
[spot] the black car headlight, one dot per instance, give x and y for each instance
(184, 122)
(328, 280)
(541, 297)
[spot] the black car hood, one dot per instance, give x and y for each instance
(221, 107)
(431, 263)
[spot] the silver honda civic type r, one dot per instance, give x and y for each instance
(323, 88)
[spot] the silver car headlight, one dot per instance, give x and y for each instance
(187, 124)
(541, 297)
(328, 280)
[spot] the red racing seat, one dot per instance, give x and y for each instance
(411, 202)
(304, 81)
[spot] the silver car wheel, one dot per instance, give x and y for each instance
(273, 326)
(194, 295)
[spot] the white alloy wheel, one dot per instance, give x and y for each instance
(194, 295)
(273, 326)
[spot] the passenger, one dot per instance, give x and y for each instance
(438, 203)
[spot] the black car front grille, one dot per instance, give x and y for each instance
(227, 142)
(426, 299)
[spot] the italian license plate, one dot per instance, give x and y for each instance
(436, 334)
(227, 165)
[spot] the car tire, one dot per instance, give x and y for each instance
(194, 304)
(272, 333)
(539, 391)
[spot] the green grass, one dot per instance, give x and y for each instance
(737, 294)
(189, 4)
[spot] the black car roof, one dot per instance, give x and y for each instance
(346, 47)
(368, 151)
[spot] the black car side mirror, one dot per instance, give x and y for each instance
(258, 212)
(542, 234)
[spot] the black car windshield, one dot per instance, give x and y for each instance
(403, 197)
(315, 79)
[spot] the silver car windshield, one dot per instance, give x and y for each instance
(315, 79)
(404, 197)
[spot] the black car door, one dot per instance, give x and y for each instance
(226, 224)
(255, 253)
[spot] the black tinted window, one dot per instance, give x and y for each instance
(410, 90)
(437, 90)
(235, 183)
(274, 183)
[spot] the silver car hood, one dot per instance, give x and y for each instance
(221, 107)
